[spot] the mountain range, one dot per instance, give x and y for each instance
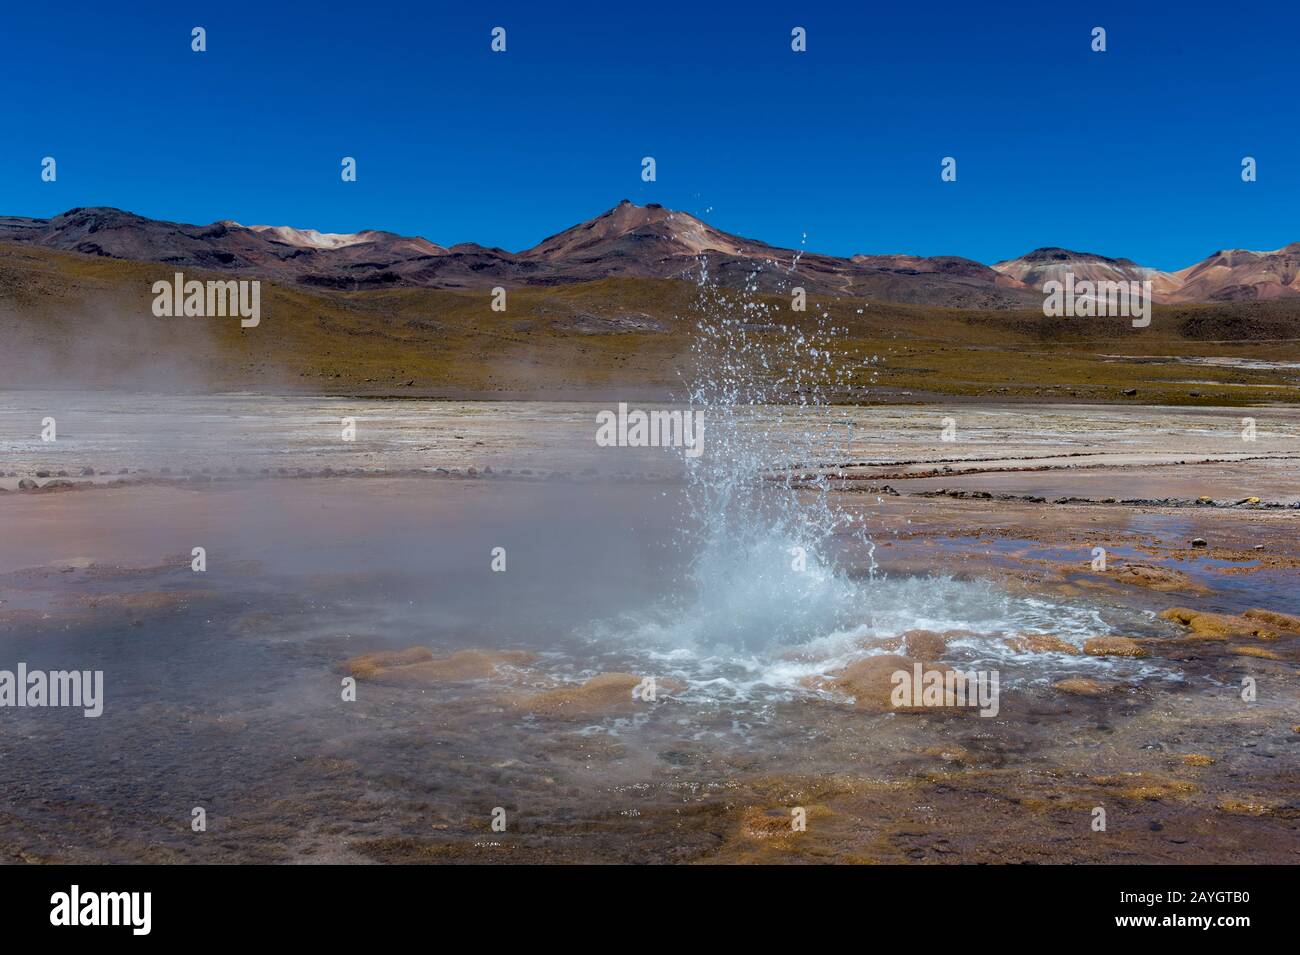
(631, 241)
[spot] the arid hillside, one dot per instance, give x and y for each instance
(75, 320)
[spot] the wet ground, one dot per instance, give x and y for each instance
(224, 689)
(141, 438)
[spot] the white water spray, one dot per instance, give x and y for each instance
(761, 517)
(778, 579)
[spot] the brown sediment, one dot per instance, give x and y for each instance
(1219, 626)
(1041, 643)
(141, 601)
(951, 753)
(1141, 785)
(867, 680)
(1083, 686)
(989, 815)
(782, 823)
(601, 695)
(80, 609)
(1256, 807)
(1157, 578)
(1258, 652)
(872, 681)
(925, 644)
(1278, 621)
(398, 850)
(1113, 647)
(369, 665)
(417, 666)
(888, 644)
(460, 666)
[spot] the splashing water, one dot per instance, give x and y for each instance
(760, 525)
(758, 519)
(765, 598)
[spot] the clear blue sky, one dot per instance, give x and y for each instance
(1133, 152)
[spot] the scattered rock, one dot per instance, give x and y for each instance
(951, 753)
(368, 665)
(134, 602)
(888, 644)
(870, 681)
(757, 822)
(1219, 626)
(1083, 686)
(1144, 786)
(417, 666)
(1113, 647)
(925, 644)
(1260, 652)
(1244, 807)
(597, 697)
(1041, 643)
(1278, 621)
(1196, 759)
(1199, 542)
(1155, 578)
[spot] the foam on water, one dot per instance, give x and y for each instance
(755, 638)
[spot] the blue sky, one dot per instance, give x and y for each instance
(1132, 152)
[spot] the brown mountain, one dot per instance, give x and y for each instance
(631, 241)
(362, 260)
(641, 236)
(653, 242)
(75, 320)
(1052, 264)
(1239, 274)
(626, 241)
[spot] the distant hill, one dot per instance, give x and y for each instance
(634, 241)
(78, 320)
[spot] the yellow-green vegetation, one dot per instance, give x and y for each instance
(77, 320)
